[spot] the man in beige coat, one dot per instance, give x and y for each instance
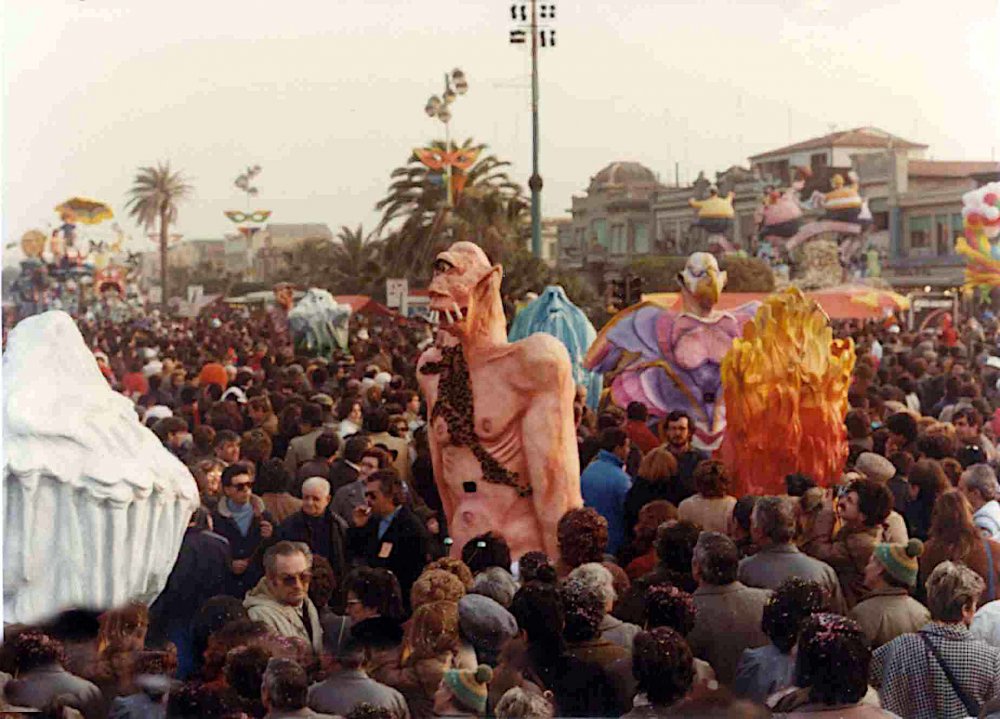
(281, 598)
(889, 610)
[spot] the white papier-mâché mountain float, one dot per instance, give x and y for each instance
(94, 506)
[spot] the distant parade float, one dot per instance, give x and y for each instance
(981, 226)
(554, 314)
(81, 276)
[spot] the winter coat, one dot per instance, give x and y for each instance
(403, 547)
(604, 485)
(282, 619)
(281, 505)
(200, 572)
(251, 547)
(848, 553)
(886, 614)
(296, 529)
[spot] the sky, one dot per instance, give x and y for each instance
(328, 95)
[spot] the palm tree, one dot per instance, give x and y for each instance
(154, 196)
(356, 261)
(416, 216)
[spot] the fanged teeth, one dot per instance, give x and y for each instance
(448, 317)
(435, 317)
(458, 312)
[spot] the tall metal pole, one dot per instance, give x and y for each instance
(535, 182)
(447, 141)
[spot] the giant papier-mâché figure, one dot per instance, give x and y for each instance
(554, 314)
(502, 439)
(318, 323)
(95, 506)
(670, 360)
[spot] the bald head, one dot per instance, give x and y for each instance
(465, 292)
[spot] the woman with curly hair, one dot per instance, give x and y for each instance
(434, 643)
(713, 505)
(765, 670)
(41, 678)
(831, 672)
(582, 535)
(664, 669)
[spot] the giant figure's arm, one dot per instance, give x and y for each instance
(549, 438)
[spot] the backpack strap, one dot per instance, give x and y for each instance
(991, 589)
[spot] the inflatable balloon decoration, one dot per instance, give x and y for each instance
(785, 385)
(554, 314)
(981, 220)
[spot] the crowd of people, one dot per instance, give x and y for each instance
(317, 578)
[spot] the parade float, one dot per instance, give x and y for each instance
(715, 217)
(789, 226)
(785, 382)
(73, 271)
(761, 377)
(554, 314)
(670, 360)
(319, 324)
(502, 439)
(95, 505)
(981, 226)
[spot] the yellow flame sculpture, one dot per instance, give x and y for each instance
(785, 385)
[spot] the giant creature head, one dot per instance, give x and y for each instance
(701, 282)
(465, 292)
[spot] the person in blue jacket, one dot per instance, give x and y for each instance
(605, 483)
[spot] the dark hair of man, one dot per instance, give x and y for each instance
(384, 460)
(354, 448)
(677, 415)
(798, 484)
(902, 423)
(970, 415)
(612, 438)
(200, 518)
(390, 484)
(327, 445)
(312, 414)
(272, 476)
(244, 670)
(794, 601)
(874, 500)
(833, 659)
(538, 609)
(377, 589)
(204, 438)
(637, 411)
(484, 551)
(233, 471)
(858, 424)
(377, 421)
(167, 426)
(675, 545)
(663, 665)
(743, 510)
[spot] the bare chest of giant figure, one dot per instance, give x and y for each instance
(475, 502)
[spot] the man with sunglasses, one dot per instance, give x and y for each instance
(242, 518)
(281, 598)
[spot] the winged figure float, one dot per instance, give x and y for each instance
(670, 360)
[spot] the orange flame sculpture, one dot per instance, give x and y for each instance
(785, 384)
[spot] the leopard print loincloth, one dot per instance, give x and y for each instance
(455, 406)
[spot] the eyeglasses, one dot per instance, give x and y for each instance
(242, 485)
(291, 580)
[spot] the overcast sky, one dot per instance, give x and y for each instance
(327, 96)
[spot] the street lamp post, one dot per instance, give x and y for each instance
(455, 84)
(535, 181)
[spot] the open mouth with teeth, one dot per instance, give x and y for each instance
(449, 317)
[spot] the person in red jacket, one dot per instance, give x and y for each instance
(636, 428)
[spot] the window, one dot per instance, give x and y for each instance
(618, 240)
(641, 238)
(943, 235)
(817, 162)
(599, 231)
(920, 232)
(580, 238)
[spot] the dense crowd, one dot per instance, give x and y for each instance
(317, 577)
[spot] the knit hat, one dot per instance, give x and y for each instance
(900, 560)
(875, 467)
(469, 688)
